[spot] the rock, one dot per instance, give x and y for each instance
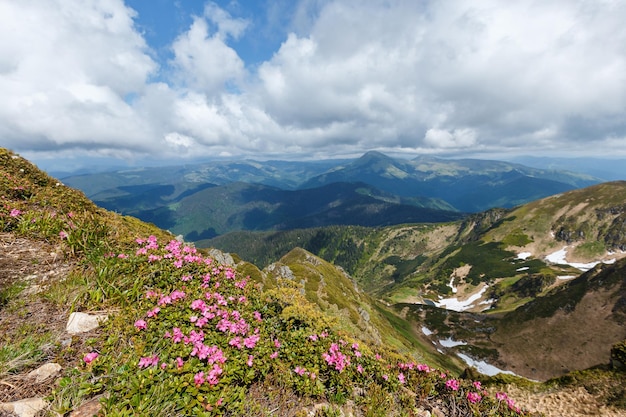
(438, 413)
(45, 371)
(83, 322)
(24, 408)
(89, 409)
(221, 257)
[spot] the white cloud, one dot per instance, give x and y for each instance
(205, 62)
(66, 68)
(431, 76)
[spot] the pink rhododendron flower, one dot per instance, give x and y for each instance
(15, 213)
(386, 377)
(250, 342)
(336, 358)
(511, 403)
(153, 312)
(90, 357)
(214, 373)
(473, 397)
(198, 378)
(250, 360)
(177, 335)
(235, 342)
(300, 371)
(477, 384)
(147, 361)
(359, 368)
(313, 337)
(423, 368)
(501, 396)
(274, 355)
(453, 384)
(401, 378)
(63, 234)
(141, 325)
(179, 362)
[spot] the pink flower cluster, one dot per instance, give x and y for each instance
(336, 358)
(473, 397)
(501, 396)
(211, 312)
(90, 357)
(453, 384)
(303, 372)
(212, 377)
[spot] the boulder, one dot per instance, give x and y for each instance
(83, 322)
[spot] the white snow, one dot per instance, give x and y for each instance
(451, 285)
(483, 367)
(455, 304)
(524, 255)
(559, 257)
(449, 342)
(524, 268)
(566, 276)
(426, 331)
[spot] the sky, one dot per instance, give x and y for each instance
(132, 81)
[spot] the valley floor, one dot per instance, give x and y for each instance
(570, 402)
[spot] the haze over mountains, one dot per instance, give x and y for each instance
(372, 190)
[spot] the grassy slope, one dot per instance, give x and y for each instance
(138, 366)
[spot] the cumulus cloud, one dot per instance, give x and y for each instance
(203, 60)
(455, 76)
(66, 69)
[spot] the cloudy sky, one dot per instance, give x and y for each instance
(165, 79)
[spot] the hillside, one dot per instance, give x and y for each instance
(490, 265)
(468, 185)
(180, 332)
(208, 211)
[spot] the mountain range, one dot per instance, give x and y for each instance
(206, 200)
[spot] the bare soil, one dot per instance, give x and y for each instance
(34, 265)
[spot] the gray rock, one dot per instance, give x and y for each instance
(83, 322)
(45, 371)
(24, 408)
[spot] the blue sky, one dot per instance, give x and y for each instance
(157, 81)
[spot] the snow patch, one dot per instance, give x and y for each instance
(451, 285)
(449, 342)
(524, 255)
(426, 331)
(559, 257)
(455, 304)
(524, 268)
(482, 366)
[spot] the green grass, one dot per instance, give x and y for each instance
(21, 349)
(590, 250)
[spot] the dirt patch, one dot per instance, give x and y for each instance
(29, 261)
(28, 320)
(544, 348)
(571, 402)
